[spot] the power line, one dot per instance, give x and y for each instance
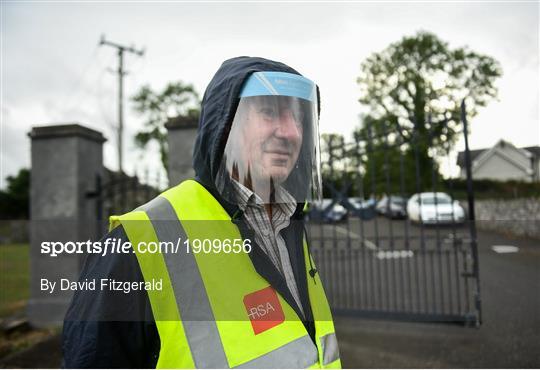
(85, 87)
(75, 90)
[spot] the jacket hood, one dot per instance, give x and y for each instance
(218, 109)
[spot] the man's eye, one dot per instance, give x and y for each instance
(269, 113)
(299, 116)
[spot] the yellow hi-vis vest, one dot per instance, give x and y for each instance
(202, 312)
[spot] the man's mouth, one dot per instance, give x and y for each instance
(278, 157)
(279, 152)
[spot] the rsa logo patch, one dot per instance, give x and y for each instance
(263, 309)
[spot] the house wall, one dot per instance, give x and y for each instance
(515, 154)
(496, 167)
(504, 162)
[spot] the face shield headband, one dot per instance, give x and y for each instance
(272, 150)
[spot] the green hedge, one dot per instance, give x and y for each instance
(490, 189)
(483, 189)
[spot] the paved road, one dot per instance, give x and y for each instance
(509, 336)
(396, 267)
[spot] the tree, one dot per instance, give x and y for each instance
(15, 200)
(390, 164)
(419, 82)
(175, 100)
(338, 165)
(332, 153)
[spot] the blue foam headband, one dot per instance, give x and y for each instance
(279, 84)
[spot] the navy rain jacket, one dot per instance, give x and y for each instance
(104, 329)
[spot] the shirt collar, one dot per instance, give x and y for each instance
(246, 197)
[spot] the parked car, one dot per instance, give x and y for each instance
(434, 208)
(363, 208)
(326, 211)
(392, 206)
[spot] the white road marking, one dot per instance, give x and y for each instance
(505, 249)
(394, 254)
(370, 245)
(367, 243)
(344, 231)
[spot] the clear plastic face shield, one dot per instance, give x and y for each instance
(273, 145)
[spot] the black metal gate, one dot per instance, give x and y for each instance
(118, 193)
(376, 266)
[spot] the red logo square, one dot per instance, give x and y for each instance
(263, 309)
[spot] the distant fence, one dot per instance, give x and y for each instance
(118, 193)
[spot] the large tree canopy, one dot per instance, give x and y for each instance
(175, 100)
(422, 76)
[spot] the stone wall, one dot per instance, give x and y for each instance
(518, 217)
(14, 231)
(181, 134)
(66, 159)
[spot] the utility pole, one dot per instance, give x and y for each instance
(120, 129)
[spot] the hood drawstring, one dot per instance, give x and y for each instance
(312, 270)
(237, 216)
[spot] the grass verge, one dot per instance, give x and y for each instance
(14, 278)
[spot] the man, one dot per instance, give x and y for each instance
(244, 291)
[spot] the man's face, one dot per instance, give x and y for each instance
(271, 137)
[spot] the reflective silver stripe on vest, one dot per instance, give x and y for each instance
(194, 306)
(329, 348)
(197, 318)
(298, 354)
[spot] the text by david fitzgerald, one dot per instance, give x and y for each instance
(101, 284)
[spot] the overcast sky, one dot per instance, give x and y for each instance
(54, 72)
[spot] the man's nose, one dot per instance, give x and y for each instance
(289, 127)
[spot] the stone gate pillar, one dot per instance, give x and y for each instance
(181, 139)
(65, 162)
